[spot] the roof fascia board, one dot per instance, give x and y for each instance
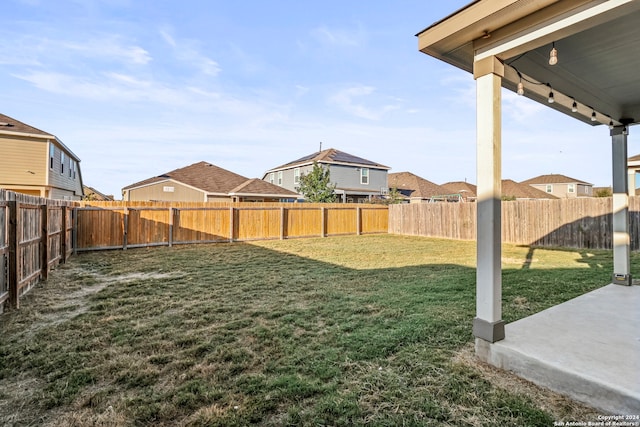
(360, 165)
(326, 162)
(27, 134)
(545, 26)
(460, 21)
(71, 153)
(281, 196)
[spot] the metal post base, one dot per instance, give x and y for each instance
(488, 331)
(621, 279)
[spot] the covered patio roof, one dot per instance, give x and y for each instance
(598, 45)
(581, 58)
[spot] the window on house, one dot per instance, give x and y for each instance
(549, 188)
(52, 152)
(280, 178)
(571, 188)
(62, 158)
(71, 166)
(364, 176)
(296, 176)
(75, 170)
(272, 177)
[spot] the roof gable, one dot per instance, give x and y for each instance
(202, 175)
(212, 179)
(257, 186)
(414, 185)
(332, 156)
(510, 188)
(461, 187)
(9, 124)
(554, 179)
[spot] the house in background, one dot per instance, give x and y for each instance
(561, 186)
(357, 180)
(204, 182)
(91, 193)
(512, 190)
(415, 189)
(37, 163)
(633, 167)
(466, 190)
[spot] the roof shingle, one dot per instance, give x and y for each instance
(331, 155)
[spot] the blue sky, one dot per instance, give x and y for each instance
(137, 88)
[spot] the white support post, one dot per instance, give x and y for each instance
(621, 240)
(631, 183)
(488, 324)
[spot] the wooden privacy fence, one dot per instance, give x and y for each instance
(576, 223)
(117, 225)
(35, 235)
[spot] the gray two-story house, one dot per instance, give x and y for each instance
(357, 180)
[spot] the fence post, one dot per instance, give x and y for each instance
(170, 226)
(44, 242)
(231, 223)
(125, 228)
(63, 237)
(282, 222)
(74, 231)
(323, 222)
(14, 252)
(358, 220)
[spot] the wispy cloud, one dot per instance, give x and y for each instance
(346, 100)
(520, 109)
(188, 52)
(107, 47)
(352, 37)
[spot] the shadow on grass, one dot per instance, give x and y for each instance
(234, 334)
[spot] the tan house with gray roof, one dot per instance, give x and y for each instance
(512, 190)
(561, 186)
(37, 163)
(204, 182)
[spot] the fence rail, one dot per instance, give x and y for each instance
(35, 235)
(117, 225)
(575, 223)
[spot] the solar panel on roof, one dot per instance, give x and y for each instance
(339, 156)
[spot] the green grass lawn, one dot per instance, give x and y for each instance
(359, 330)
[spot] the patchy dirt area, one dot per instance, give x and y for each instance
(63, 297)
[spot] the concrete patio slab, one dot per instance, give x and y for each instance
(587, 348)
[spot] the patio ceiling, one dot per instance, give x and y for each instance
(598, 44)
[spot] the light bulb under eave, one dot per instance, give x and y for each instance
(574, 107)
(553, 56)
(550, 99)
(593, 116)
(520, 90)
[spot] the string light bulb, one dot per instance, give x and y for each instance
(593, 116)
(520, 88)
(553, 55)
(574, 107)
(551, 99)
